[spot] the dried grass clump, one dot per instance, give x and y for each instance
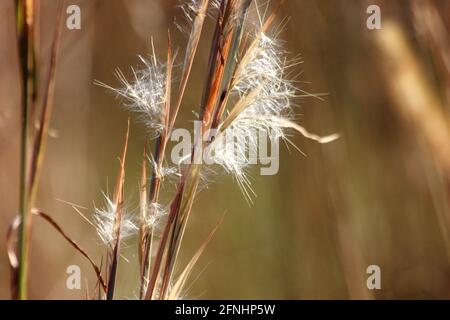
(247, 88)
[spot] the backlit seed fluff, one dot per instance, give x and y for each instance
(104, 223)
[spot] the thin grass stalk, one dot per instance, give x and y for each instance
(40, 140)
(160, 149)
(174, 208)
(191, 51)
(31, 163)
(143, 234)
(218, 56)
(179, 226)
(25, 28)
(161, 142)
(164, 137)
(231, 62)
(118, 203)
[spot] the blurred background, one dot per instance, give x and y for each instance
(379, 195)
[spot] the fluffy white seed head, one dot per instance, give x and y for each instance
(104, 221)
(266, 67)
(190, 9)
(263, 70)
(163, 171)
(144, 95)
(230, 150)
(155, 212)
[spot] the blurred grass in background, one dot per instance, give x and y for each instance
(379, 195)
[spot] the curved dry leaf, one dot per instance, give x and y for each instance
(56, 226)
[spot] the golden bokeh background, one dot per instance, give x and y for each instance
(379, 195)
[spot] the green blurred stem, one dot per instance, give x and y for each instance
(24, 13)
